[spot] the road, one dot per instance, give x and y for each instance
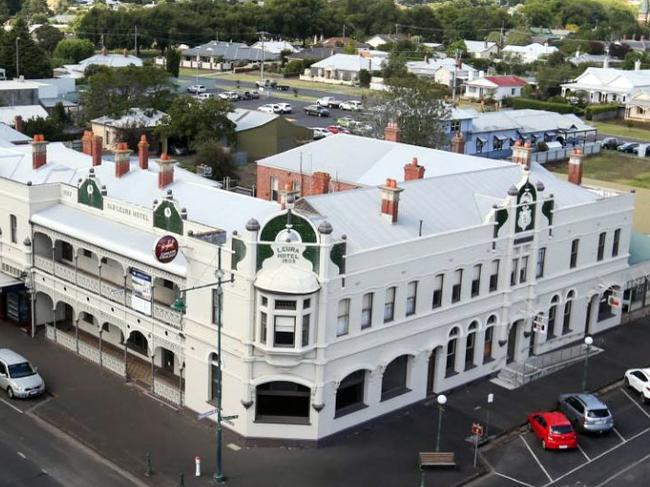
(33, 454)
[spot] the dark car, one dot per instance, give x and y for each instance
(610, 143)
(283, 87)
(586, 412)
(317, 111)
(628, 147)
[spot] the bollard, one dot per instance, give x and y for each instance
(197, 466)
(148, 471)
(182, 481)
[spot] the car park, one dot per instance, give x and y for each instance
(554, 429)
(196, 89)
(269, 108)
(337, 129)
(345, 122)
(360, 128)
(329, 102)
(639, 380)
(351, 105)
(628, 147)
(317, 111)
(266, 83)
(586, 412)
(18, 377)
(229, 95)
(321, 133)
(284, 107)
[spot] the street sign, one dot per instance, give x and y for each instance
(207, 413)
(477, 429)
(228, 419)
(539, 324)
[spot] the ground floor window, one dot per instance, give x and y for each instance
(350, 393)
(394, 380)
(282, 402)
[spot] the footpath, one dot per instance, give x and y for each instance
(122, 423)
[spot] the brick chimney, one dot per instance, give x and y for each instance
(165, 171)
(39, 151)
(522, 154)
(392, 132)
(87, 142)
(575, 166)
(288, 195)
(390, 200)
(97, 147)
(458, 143)
(122, 159)
(18, 123)
(320, 182)
(143, 152)
(413, 170)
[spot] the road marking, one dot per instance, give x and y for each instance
(583, 452)
(619, 434)
(636, 403)
(233, 447)
(39, 404)
(536, 459)
(513, 479)
(620, 472)
(597, 457)
(21, 455)
(11, 406)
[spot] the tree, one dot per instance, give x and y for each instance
(194, 121)
(52, 127)
(32, 7)
(364, 78)
(456, 46)
(73, 50)
(213, 154)
(518, 38)
(173, 61)
(34, 62)
(416, 105)
(48, 37)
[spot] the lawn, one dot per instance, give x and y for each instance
(621, 130)
(614, 167)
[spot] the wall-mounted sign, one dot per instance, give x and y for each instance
(141, 297)
(288, 254)
(166, 249)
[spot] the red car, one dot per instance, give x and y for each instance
(554, 429)
(337, 129)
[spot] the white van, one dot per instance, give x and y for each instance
(18, 377)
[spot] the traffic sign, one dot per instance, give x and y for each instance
(207, 413)
(477, 429)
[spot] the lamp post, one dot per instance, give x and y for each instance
(588, 342)
(17, 57)
(442, 400)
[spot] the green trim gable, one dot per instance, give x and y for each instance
(238, 252)
(167, 217)
(337, 256)
(90, 194)
(301, 225)
(500, 219)
(547, 210)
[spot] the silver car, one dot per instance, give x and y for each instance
(586, 412)
(18, 377)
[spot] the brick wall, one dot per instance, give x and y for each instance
(309, 185)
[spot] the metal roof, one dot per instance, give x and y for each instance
(526, 121)
(231, 51)
(249, 119)
(8, 114)
(350, 62)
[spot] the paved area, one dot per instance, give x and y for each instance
(122, 423)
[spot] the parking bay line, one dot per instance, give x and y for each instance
(18, 410)
(513, 480)
(583, 452)
(618, 434)
(536, 459)
(636, 403)
(622, 471)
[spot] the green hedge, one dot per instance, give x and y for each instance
(602, 108)
(544, 105)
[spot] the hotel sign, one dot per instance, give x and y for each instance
(288, 254)
(166, 249)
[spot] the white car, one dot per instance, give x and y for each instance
(328, 102)
(639, 380)
(321, 133)
(196, 89)
(269, 108)
(284, 107)
(18, 377)
(204, 96)
(229, 95)
(351, 105)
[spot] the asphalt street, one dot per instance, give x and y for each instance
(34, 454)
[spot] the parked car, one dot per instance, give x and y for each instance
(204, 96)
(554, 429)
(586, 412)
(337, 129)
(639, 380)
(317, 111)
(196, 89)
(351, 105)
(283, 87)
(610, 143)
(249, 95)
(229, 95)
(285, 107)
(266, 83)
(329, 102)
(345, 121)
(360, 128)
(643, 151)
(269, 108)
(321, 133)
(628, 147)
(18, 377)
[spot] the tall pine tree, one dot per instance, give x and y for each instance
(33, 60)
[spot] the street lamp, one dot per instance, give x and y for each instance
(588, 342)
(442, 400)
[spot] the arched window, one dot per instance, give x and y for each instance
(394, 381)
(489, 338)
(350, 393)
(552, 315)
(470, 345)
(450, 367)
(566, 323)
(282, 402)
(214, 376)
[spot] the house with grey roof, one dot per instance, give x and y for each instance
(220, 55)
(342, 69)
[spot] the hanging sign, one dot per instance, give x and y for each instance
(166, 249)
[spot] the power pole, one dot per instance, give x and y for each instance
(262, 35)
(17, 57)
(101, 40)
(135, 40)
(343, 31)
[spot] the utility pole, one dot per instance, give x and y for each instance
(262, 39)
(455, 75)
(17, 57)
(101, 40)
(135, 40)
(343, 31)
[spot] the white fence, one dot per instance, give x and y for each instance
(590, 148)
(167, 391)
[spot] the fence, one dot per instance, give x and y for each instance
(589, 148)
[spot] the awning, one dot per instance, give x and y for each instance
(501, 137)
(482, 139)
(6, 280)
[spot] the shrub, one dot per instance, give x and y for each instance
(544, 105)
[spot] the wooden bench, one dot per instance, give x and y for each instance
(437, 459)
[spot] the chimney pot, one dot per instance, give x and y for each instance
(390, 200)
(122, 159)
(392, 132)
(320, 182)
(458, 143)
(143, 153)
(18, 123)
(97, 149)
(413, 170)
(39, 151)
(575, 166)
(522, 153)
(165, 171)
(87, 142)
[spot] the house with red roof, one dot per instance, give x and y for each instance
(494, 87)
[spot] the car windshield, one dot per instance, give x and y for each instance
(18, 371)
(561, 429)
(598, 413)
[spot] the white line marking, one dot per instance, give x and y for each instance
(608, 479)
(636, 403)
(583, 452)
(597, 457)
(233, 447)
(513, 480)
(536, 459)
(21, 455)
(11, 406)
(619, 434)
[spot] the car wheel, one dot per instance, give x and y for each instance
(544, 444)
(627, 383)
(10, 393)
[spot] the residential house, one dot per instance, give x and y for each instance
(104, 58)
(221, 56)
(341, 69)
(594, 59)
(342, 42)
(494, 87)
(314, 53)
(383, 39)
(445, 71)
(275, 47)
(9, 114)
(528, 54)
(637, 108)
(482, 49)
(607, 85)
(129, 128)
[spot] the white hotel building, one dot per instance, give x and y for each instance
(348, 306)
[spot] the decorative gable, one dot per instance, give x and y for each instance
(167, 217)
(90, 194)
